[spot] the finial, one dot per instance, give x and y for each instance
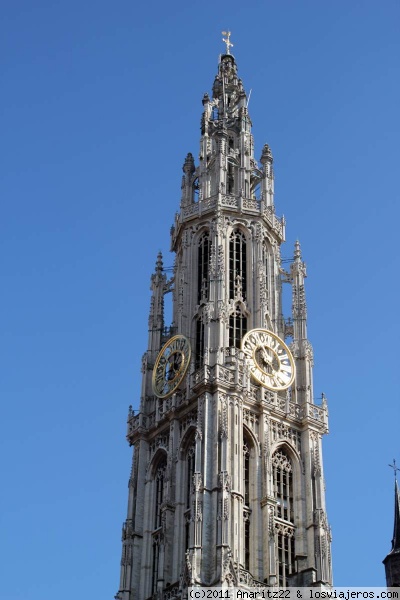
(159, 263)
(227, 41)
(297, 250)
(266, 155)
(395, 469)
(188, 165)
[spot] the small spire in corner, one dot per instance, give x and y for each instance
(188, 165)
(159, 263)
(266, 155)
(227, 41)
(297, 250)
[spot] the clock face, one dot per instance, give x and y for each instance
(171, 366)
(271, 362)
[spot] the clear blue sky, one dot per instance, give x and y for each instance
(101, 101)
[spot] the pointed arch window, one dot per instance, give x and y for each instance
(237, 327)
(237, 265)
(190, 462)
(190, 470)
(196, 190)
(199, 358)
(159, 490)
(246, 508)
(230, 178)
(282, 470)
(154, 566)
(203, 267)
(267, 262)
(265, 255)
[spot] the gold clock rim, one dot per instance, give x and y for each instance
(253, 359)
(178, 378)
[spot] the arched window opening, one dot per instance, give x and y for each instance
(154, 567)
(246, 498)
(196, 190)
(284, 532)
(203, 266)
(246, 473)
(230, 179)
(265, 254)
(189, 474)
(246, 518)
(237, 328)
(159, 492)
(158, 483)
(190, 462)
(237, 265)
(199, 358)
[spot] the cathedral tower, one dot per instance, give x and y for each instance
(227, 484)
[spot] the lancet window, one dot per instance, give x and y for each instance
(190, 467)
(231, 178)
(284, 525)
(154, 566)
(203, 267)
(237, 327)
(199, 358)
(158, 487)
(159, 491)
(237, 266)
(246, 497)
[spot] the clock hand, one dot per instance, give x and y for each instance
(266, 357)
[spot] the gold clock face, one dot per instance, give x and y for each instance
(171, 366)
(271, 362)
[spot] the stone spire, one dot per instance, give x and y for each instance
(156, 315)
(396, 528)
(392, 560)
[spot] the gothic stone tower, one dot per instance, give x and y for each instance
(227, 482)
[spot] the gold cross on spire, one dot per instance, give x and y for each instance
(395, 468)
(227, 41)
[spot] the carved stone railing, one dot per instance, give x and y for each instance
(201, 376)
(317, 413)
(190, 211)
(277, 224)
(294, 410)
(208, 204)
(250, 204)
(283, 404)
(247, 579)
(233, 203)
(224, 374)
(136, 422)
(218, 373)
